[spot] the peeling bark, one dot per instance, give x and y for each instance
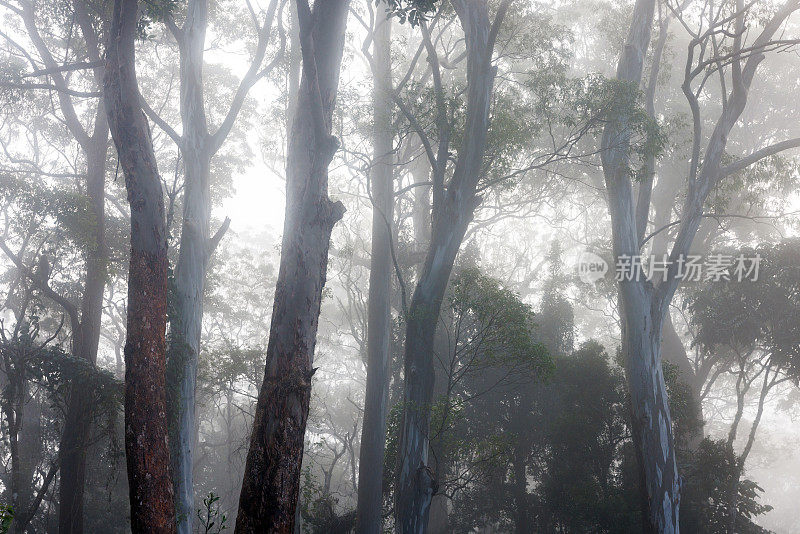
(643, 305)
(641, 310)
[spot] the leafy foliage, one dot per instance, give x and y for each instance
(318, 510)
(155, 11)
(57, 371)
(212, 521)
(6, 516)
(709, 475)
(413, 11)
(761, 314)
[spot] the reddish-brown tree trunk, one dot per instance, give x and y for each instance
(272, 473)
(146, 443)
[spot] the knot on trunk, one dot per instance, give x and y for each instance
(295, 381)
(328, 148)
(426, 480)
(337, 210)
(331, 212)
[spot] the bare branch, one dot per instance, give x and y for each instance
(50, 87)
(156, 118)
(252, 76)
(64, 68)
(759, 155)
(217, 237)
(42, 284)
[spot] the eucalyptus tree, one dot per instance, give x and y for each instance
(52, 74)
(453, 206)
(373, 436)
(272, 472)
(146, 432)
(198, 144)
(751, 203)
(643, 304)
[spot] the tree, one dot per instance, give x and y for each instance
(197, 145)
(272, 471)
(39, 372)
(710, 474)
(373, 436)
(21, 351)
(452, 211)
(146, 432)
(85, 317)
(751, 322)
(489, 360)
(643, 304)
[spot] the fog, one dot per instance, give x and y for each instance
(409, 266)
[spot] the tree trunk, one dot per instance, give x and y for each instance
(272, 472)
(85, 324)
(185, 330)
(672, 348)
(641, 309)
(190, 271)
(650, 417)
(25, 445)
(77, 424)
(421, 207)
(439, 522)
(521, 521)
(146, 435)
(373, 436)
(674, 352)
(416, 482)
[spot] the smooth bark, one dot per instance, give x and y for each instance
(190, 271)
(641, 313)
(197, 145)
(453, 209)
(644, 305)
(369, 518)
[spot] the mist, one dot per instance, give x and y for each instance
(408, 266)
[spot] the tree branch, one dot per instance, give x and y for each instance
(156, 118)
(50, 87)
(217, 237)
(758, 155)
(65, 68)
(42, 284)
(73, 122)
(252, 76)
